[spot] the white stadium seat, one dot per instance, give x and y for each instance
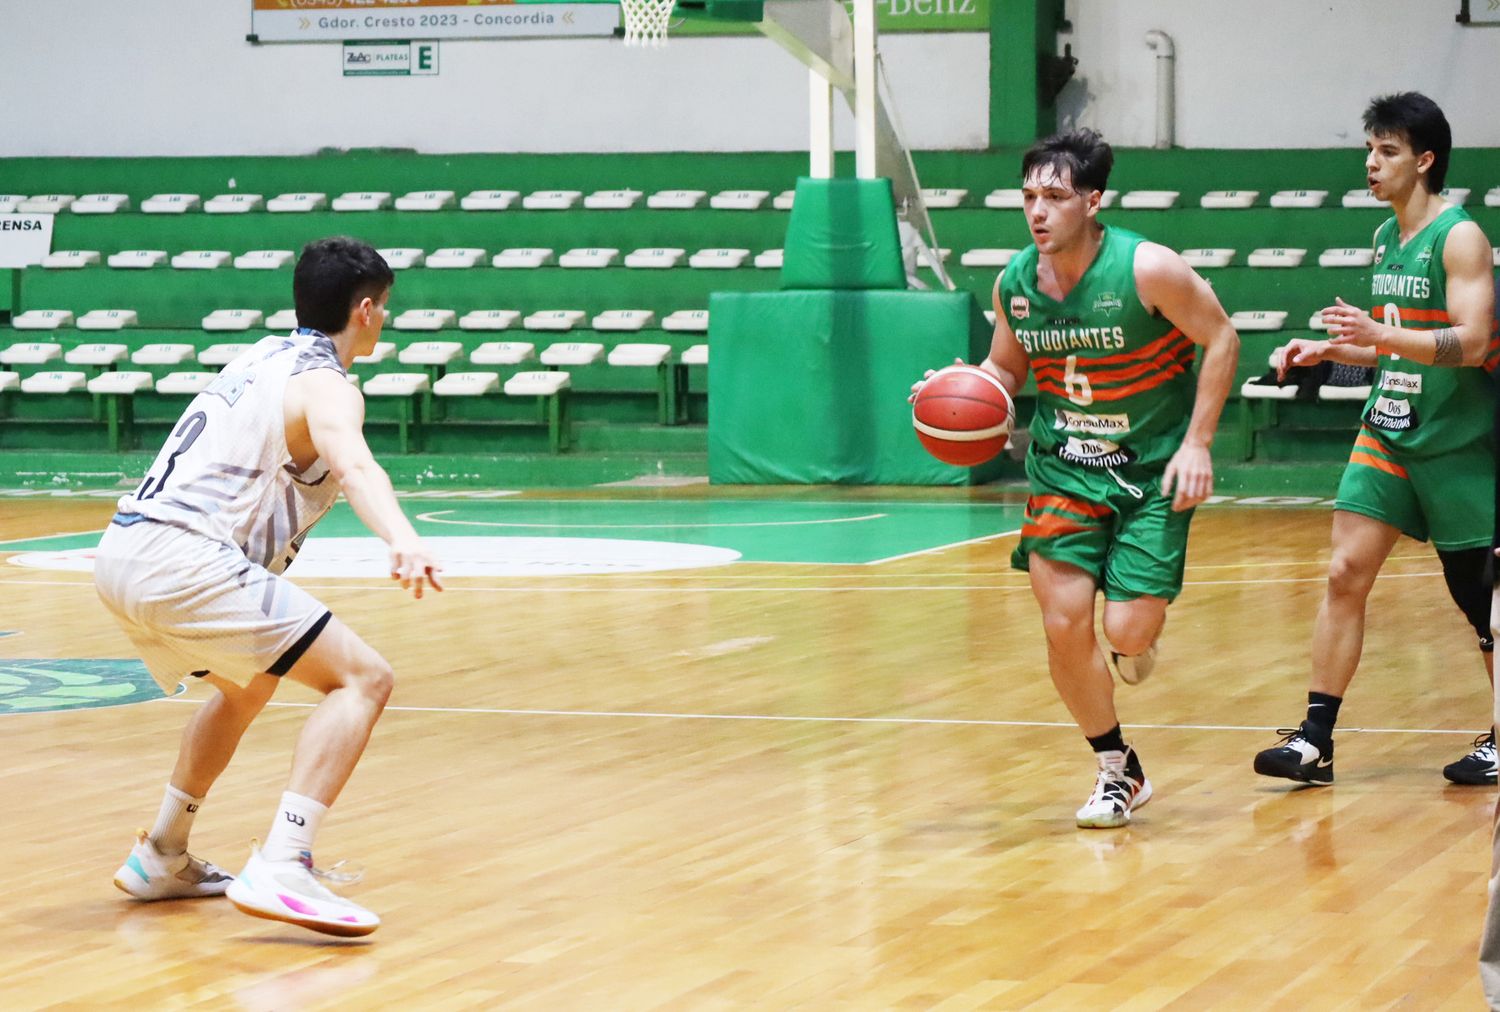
(9, 380)
(137, 259)
(1361, 197)
(108, 319)
(1008, 199)
(438, 353)
(425, 200)
(46, 203)
(163, 353)
(171, 203)
(397, 384)
(120, 383)
(645, 356)
(97, 355)
(522, 257)
(502, 353)
(572, 353)
(70, 259)
(1216, 257)
(488, 200)
(10, 202)
(54, 382)
(425, 319)
(1277, 257)
(1299, 198)
(1155, 200)
(488, 319)
(676, 200)
(220, 355)
(382, 351)
(1349, 256)
(1228, 199)
(554, 319)
(455, 258)
(402, 258)
(739, 200)
(770, 260)
(233, 319)
(1258, 319)
(294, 203)
(623, 320)
(691, 321)
(42, 319)
(31, 353)
(189, 383)
(591, 257)
(783, 200)
(200, 260)
(100, 203)
(282, 321)
(612, 200)
(695, 355)
(1458, 196)
(551, 200)
(234, 203)
(467, 384)
(362, 200)
(263, 260)
(987, 257)
(537, 384)
(936, 199)
(656, 258)
(718, 259)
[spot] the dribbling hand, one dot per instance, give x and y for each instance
(917, 386)
(414, 566)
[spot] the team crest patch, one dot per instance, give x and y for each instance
(1020, 307)
(1425, 257)
(1108, 302)
(1380, 252)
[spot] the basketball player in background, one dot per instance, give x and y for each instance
(190, 566)
(1423, 462)
(1119, 453)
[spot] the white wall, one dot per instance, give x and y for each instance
(1279, 73)
(175, 77)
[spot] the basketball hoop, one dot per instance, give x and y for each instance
(646, 21)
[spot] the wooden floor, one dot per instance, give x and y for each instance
(780, 786)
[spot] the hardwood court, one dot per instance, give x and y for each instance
(772, 785)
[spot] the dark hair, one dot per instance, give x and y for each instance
(1418, 119)
(332, 277)
(1082, 153)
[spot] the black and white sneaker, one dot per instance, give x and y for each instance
(1304, 755)
(1478, 767)
(1119, 789)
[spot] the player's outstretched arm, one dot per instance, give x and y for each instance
(1470, 294)
(1169, 286)
(335, 414)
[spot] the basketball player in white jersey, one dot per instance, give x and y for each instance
(191, 564)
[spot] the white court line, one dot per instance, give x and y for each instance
(944, 548)
(432, 518)
(905, 589)
(776, 718)
(59, 534)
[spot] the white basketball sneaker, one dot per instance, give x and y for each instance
(290, 891)
(148, 874)
(1120, 788)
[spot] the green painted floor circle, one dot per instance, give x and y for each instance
(40, 686)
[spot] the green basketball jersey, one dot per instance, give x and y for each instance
(1422, 409)
(1114, 382)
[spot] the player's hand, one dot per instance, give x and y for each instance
(414, 566)
(1298, 352)
(915, 387)
(1189, 477)
(1351, 325)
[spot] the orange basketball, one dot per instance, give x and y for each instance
(962, 415)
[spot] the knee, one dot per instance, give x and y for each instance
(1348, 578)
(1128, 635)
(373, 680)
(1065, 628)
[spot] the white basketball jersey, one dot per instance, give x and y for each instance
(225, 471)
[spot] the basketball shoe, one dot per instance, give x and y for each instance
(148, 874)
(290, 891)
(1305, 755)
(1120, 788)
(1133, 669)
(1478, 767)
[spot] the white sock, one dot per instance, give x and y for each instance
(295, 827)
(174, 821)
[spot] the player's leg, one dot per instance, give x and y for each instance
(1142, 575)
(280, 881)
(1360, 546)
(1457, 491)
(1489, 944)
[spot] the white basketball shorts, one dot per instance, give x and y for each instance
(193, 605)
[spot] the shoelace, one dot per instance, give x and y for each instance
(1484, 748)
(332, 873)
(1290, 734)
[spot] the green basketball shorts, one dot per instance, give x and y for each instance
(1114, 524)
(1448, 499)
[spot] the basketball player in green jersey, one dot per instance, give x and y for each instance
(1423, 462)
(1119, 452)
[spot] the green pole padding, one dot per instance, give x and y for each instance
(811, 386)
(842, 235)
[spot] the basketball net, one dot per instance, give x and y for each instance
(646, 21)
